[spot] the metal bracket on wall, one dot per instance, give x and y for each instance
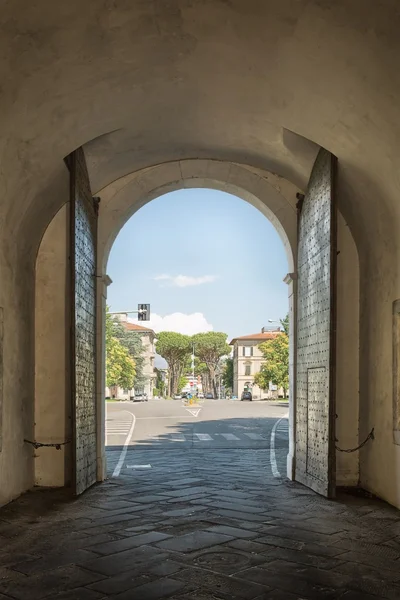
(57, 446)
(370, 436)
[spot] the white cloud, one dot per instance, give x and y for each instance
(188, 324)
(185, 280)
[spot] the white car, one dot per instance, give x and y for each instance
(140, 398)
(200, 395)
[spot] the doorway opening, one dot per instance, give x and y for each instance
(212, 269)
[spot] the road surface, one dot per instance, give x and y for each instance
(136, 431)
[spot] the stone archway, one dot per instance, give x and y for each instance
(273, 196)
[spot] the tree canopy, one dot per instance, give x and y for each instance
(227, 374)
(175, 349)
(209, 347)
(132, 341)
(276, 366)
(120, 366)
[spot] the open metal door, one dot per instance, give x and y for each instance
(83, 249)
(316, 328)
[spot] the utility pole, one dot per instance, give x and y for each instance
(193, 369)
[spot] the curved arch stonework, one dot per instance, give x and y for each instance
(272, 195)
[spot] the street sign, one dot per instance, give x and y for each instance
(143, 312)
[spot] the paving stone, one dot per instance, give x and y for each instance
(113, 565)
(163, 588)
(130, 542)
(48, 583)
(250, 546)
(194, 541)
(303, 588)
(235, 532)
(78, 594)
(227, 585)
(53, 561)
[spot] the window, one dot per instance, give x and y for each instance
(247, 350)
(247, 369)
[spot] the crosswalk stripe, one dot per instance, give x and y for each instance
(254, 436)
(203, 437)
(229, 436)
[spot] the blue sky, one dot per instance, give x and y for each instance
(201, 258)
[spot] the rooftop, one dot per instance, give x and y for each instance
(257, 337)
(135, 327)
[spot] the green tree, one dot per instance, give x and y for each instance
(132, 341)
(120, 367)
(285, 324)
(209, 348)
(227, 374)
(175, 349)
(181, 383)
(276, 366)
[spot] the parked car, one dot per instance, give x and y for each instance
(178, 396)
(209, 396)
(200, 395)
(247, 396)
(140, 398)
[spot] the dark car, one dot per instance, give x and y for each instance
(247, 396)
(209, 396)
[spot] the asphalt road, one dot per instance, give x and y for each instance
(170, 424)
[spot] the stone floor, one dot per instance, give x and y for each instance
(198, 525)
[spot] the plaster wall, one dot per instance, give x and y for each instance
(52, 406)
(257, 83)
(347, 356)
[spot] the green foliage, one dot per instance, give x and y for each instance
(227, 373)
(132, 341)
(175, 349)
(120, 367)
(156, 392)
(182, 383)
(285, 324)
(276, 367)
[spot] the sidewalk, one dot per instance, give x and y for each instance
(198, 525)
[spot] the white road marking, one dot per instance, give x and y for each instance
(124, 450)
(254, 436)
(177, 437)
(203, 437)
(138, 466)
(272, 455)
(194, 411)
(117, 428)
(229, 436)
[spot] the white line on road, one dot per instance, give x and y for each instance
(194, 411)
(254, 436)
(229, 436)
(272, 455)
(124, 450)
(203, 437)
(138, 466)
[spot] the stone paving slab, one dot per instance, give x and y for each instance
(199, 526)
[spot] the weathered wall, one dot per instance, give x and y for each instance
(246, 83)
(52, 391)
(347, 352)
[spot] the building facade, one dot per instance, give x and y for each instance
(247, 361)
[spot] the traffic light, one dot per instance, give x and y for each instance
(143, 312)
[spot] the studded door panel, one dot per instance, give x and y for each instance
(315, 413)
(83, 324)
